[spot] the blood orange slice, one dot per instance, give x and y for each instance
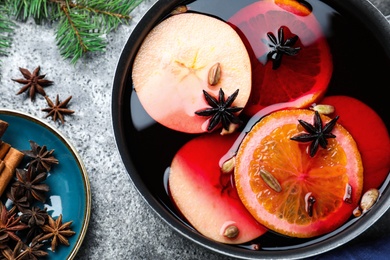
(306, 72)
(289, 191)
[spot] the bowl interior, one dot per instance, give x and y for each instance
(357, 33)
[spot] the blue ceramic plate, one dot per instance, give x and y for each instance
(70, 193)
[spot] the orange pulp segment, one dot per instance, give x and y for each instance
(307, 72)
(325, 177)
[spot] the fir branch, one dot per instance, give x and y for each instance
(81, 24)
(6, 29)
(76, 36)
(109, 15)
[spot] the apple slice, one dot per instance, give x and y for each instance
(370, 134)
(206, 196)
(175, 62)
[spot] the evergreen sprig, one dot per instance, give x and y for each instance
(81, 25)
(6, 29)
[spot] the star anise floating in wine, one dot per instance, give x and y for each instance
(34, 82)
(58, 109)
(221, 110)
(317, 133)
(281, 47)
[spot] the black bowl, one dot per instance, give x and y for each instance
(140, 140)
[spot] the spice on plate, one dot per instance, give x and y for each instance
(24, 214)
(10, 158)
(57, 232)
(42, 159)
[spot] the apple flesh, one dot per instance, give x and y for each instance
(172, 67)
(370, 134)
(206, 196)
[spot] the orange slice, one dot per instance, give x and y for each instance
(333, 177)
(306, 73)
(294, 6)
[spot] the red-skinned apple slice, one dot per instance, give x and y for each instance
(205, 196)
(171, 69)
(370, 134)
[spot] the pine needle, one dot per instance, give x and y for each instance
(81, 25)
(6, 29)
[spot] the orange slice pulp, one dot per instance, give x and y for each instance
(333, 177)
(307, 72)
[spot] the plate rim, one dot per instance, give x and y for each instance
(72, 149)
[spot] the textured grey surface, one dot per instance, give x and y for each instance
(121, 226)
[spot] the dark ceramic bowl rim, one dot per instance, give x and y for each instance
(373, 19)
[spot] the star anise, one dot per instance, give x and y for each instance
(57, 232)
(221, 110)
(3, 241)
(33, 82)
(42, 158)
(30, 184)
(18, 199)
(16, 254)
(9, 224)
(280, 47)
(317, 133)
(58, 110)
(33, 251)
(35, 218)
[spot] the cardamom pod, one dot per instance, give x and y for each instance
(323, 109)
(231, 231)
(368, 200)
(215, 74)
(270, 180)
(228, 165)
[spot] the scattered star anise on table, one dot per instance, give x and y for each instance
(317, 133)
(42, 159)
(57, 232)
(59, 109)
(221, 110)
(34, 83)
(31, 185)
(281, 47)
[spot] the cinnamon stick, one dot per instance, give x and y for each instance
(2, 165)
(3, 127)
(4, 148)
(11, 161)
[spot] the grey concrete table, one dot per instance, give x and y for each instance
(121, 225)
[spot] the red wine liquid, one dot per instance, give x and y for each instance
(360, 67)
